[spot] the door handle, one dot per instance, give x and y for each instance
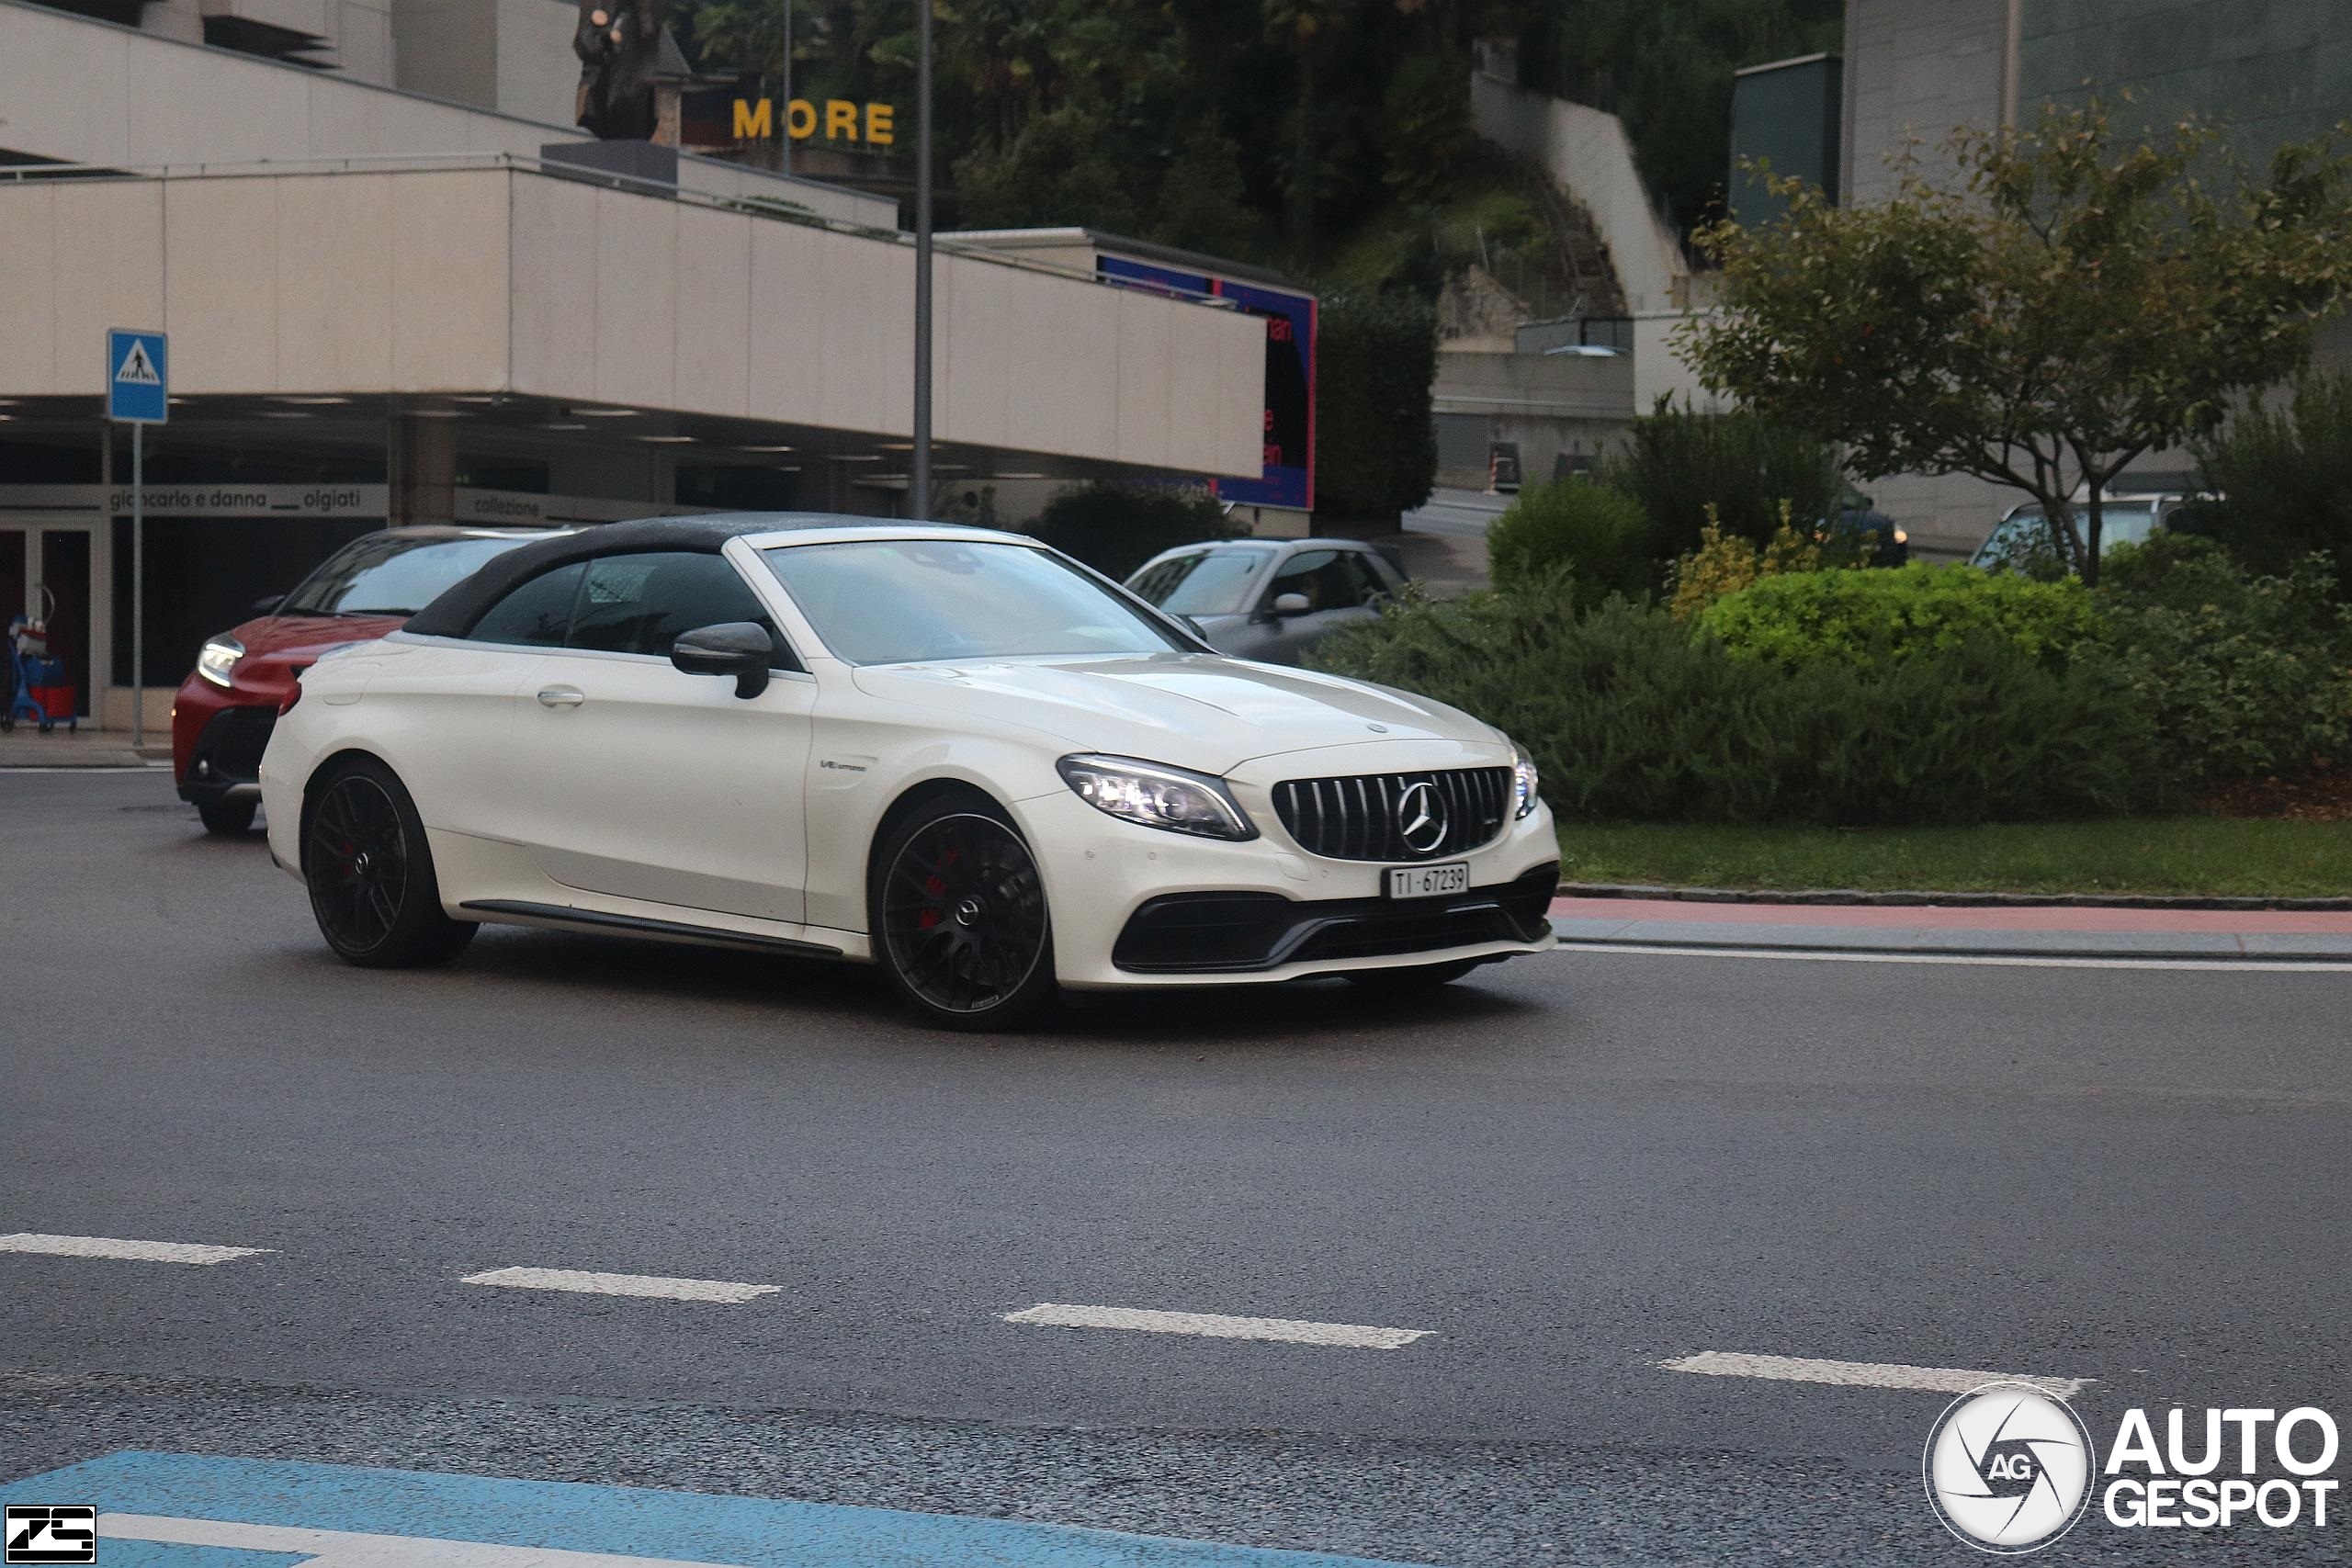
(562, 698)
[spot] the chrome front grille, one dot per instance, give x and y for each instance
(1359, 817)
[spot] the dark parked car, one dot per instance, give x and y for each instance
(1270, 599)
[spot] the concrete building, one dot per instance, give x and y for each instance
(389, 306)
(2276, 70)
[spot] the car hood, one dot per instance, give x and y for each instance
(1189, 709)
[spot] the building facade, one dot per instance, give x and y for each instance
(2272, 71)
(389, 307)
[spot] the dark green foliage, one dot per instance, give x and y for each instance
(1665, 66)
(1861, 617)
(2243, 673)
(1117, 528)
(1631, 717)
(1676, 461)
(1058, 166)
(1375, 444)
(1594, 536)
(2282, 478)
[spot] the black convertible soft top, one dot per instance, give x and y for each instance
(459, 606)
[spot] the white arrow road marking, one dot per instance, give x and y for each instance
(730, 1291)
(1863, 1374)
(348, 1549)
(114, 1246)
(1216, 1326)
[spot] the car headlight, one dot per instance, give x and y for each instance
(1522, 782)
(1156, 795)
(217, 658)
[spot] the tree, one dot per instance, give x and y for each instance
(2075, 299)
(1375, 444)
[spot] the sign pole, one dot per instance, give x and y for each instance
(918, 468)
(138, 586)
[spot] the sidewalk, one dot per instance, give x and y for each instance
(26, 747)
(1943, 930)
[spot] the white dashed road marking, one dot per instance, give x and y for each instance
(1861, 1374)
(113, 1246)
(728, 1290)
(1216, 1326)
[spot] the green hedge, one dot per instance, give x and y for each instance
(1631, 717)
(2243, 673)
(1375, 443)
(1591, 534)
(1679, 462)
(1861, 617)
(1117, 528)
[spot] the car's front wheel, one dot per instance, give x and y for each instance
(957, 908)
(370, 873)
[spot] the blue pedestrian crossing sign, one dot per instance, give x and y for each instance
(138, 378)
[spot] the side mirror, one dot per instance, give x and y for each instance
(267, 603)
(1290, 604)
(741, 648)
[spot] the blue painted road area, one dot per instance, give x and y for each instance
(160, 1510)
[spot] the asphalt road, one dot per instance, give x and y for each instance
(1570, 1170)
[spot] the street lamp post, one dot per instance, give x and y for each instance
(919, 468)
(783, 142)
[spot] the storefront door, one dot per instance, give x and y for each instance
(45, 576)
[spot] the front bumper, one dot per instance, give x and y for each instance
(224, 762)
(1248, 933)
(1133, 905)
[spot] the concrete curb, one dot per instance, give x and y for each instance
(1941, 900)
(1932, 941)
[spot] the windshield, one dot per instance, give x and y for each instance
(386, 574)
(897, 601)
(2024, 534)
(1206, 583)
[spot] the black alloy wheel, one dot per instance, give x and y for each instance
(370, 875)
(960, 919)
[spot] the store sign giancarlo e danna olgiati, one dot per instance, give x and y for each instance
(838, 120)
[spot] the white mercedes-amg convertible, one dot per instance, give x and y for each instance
(956, 754)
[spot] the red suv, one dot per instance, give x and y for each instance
(222, 717)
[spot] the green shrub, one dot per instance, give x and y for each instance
(1631, 717)
(1861, 617)
(1117, 528)
(1679, 462)
(2282, 479)
(1592, 535)
(1375, 444)
(2242, 673)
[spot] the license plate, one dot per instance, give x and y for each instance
(1429, 881)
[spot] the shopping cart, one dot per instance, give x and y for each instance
(37, 685)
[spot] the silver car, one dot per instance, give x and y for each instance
(1270, 599)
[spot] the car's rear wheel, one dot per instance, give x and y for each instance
(961, 930)
(226, 818)
(1411, 981)
(370, 873)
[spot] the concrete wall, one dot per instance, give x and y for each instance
(1915, 70)
(1548, 404)
(1588, 156)
(499, 280)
